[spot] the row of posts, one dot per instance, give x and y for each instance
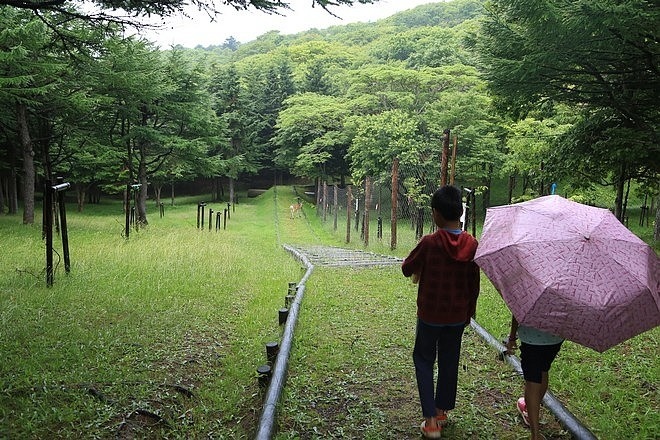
(218, 222)
(265, 371)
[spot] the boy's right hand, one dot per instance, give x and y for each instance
(414, 278)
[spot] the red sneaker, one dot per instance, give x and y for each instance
(522, 409)
(441, 419)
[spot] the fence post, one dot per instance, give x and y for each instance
(48, 226)
(63, 228)
(367, 204)
(325, 200)
(349, 203)
(335, 207)
(453, 161)
(395, 200)
(127, 203)
(210, 218)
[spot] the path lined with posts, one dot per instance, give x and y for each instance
(318, 255)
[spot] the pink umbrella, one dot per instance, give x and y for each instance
(571, 270)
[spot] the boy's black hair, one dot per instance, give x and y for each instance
(448, 202)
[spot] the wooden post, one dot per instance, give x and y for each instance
(453, 161)
(349, 203)
(367, 203)
(335, 207)
(325, 200)
(445, 158)
(395, 198)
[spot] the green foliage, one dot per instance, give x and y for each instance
(310, 135)
(598, 57)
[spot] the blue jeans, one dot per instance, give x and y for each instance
(441, 342)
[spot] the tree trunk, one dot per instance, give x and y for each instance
(215, 192)
(172, 194)
(3, 185)
(620, 184)
(231, 190)
(157, 189)
(80, 196)
(512, 185)
(12, 187)
(142, 194)
(28, 165)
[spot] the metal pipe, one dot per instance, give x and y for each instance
(61, 186)
(267, 420)
(565, 417)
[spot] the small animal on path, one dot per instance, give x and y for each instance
(296, 208)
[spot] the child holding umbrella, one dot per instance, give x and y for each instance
(538, 350)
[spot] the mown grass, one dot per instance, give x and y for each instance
(159, 336)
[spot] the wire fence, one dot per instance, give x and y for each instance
(392, 209)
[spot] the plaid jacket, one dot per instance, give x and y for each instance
(449, 277)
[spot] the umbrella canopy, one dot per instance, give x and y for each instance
(571, 270)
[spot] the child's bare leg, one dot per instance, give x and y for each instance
(534, 393)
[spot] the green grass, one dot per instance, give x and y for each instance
(159, 336)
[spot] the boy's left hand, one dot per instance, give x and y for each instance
(414, 278)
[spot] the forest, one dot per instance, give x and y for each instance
(533, 94)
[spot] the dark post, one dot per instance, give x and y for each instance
(349, 204)
(395, 200)
(136, 188)
(162, 209)
(61, 187)
(228, 211)
(325, 200)
(367, 202)
(335, 207)
(217, 220)
(202, 216)
(272, 348)
(264, 374)
(419, 230)
(283, 314)
(225, 218)
(48, 220)
(210, 218)
(128, 210)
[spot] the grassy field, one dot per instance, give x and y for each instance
(159, 336)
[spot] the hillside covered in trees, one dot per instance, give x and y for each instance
(534, 94)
